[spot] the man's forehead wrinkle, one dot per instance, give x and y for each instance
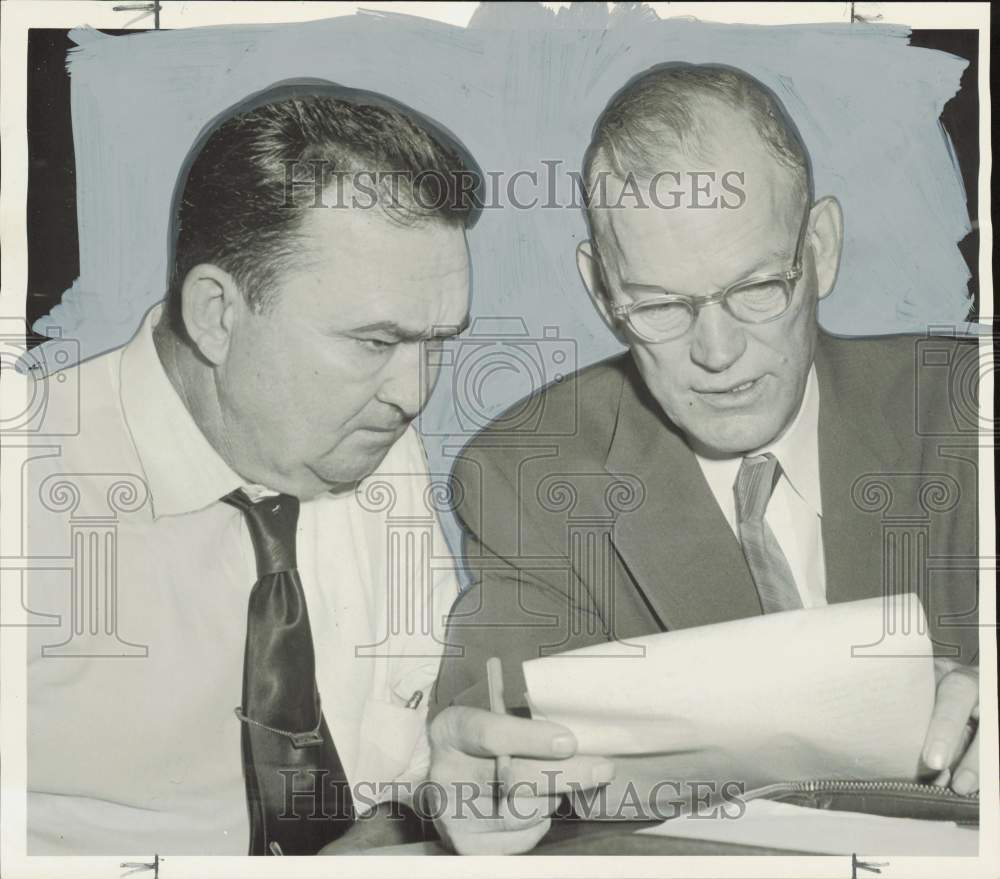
(412, 291)
(720, 136)
(698, 251)
(373, 286)
(644, 166)
(414, 317)
(435, 273)
(348, 236)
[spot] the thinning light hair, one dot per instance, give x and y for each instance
(667, 111)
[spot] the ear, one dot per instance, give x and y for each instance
(210, 306)
(826, 240)
(589, 266)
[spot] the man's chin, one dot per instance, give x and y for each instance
(732, 440)
(348, 474)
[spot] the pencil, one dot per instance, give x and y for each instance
(494, 678)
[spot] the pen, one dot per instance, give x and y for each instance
(415, 700)
(494, 678)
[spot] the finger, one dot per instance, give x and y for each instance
(548, 778)
(944, 665)
(957, 697)
(523, 789)
(486, 815)
(514, 842)
(528, 778)
(968, 734)
(965, 779)
(481, 733)
(454, 767)
(522, 809)
(943, 778)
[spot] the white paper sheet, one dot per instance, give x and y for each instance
(843, 691)
(782, 825)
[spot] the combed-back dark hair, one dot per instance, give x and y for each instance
(659, 114)
(233, 203)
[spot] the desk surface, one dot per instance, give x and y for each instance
(603, 838)
(620, 838)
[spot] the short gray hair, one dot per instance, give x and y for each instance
(660, 112)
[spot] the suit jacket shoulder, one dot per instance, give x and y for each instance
(571, 423)
(919, 383)
(579, 408)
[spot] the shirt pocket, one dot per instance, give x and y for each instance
(389, 738)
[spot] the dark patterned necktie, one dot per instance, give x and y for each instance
(297, 792)
(768, 566)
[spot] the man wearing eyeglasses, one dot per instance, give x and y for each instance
(734, 429)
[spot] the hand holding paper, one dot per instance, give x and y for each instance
(844, 691)
(952, 741)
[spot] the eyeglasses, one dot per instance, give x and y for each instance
(755, 300)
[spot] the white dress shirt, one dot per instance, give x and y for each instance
(133, 746)
(795, 510)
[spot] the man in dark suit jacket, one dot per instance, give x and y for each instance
(661, 555)
(638, 521)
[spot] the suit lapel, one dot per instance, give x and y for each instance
(677, 546)
(854, 441)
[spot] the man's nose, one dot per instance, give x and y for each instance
(719, 339)
(409, 380)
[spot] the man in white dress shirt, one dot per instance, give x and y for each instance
(718, 468)
(281, 376)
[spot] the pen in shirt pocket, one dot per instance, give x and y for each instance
(415, 700)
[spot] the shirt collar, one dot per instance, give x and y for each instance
(797, 450)
(183, 471)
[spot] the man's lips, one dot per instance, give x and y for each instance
(736, 387)
(734, 396)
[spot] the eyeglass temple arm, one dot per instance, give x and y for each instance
(803, 229)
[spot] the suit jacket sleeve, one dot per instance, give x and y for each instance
(525, 600)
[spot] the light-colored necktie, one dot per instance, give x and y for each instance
(768, 566)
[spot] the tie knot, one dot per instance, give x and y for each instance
(272, 522)
(754, 483)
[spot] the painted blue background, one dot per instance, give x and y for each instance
(519, 85)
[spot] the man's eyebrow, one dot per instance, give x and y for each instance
(634, 287)
(405, 334)
(385, 326)
(756, 270)
(778, 254)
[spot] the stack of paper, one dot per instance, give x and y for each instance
(780, 825)
(828, 692)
